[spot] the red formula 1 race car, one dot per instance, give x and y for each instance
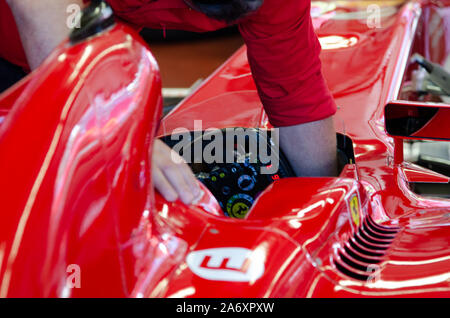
(80, 218)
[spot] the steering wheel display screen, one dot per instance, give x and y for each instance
(236, 168)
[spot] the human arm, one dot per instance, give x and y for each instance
(42, 25)
(283, 53)
(311, 148)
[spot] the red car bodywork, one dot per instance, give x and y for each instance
(76, 182)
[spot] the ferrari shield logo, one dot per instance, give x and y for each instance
(354, 209)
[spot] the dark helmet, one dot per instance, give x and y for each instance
(226, 10)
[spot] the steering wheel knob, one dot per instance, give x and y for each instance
(246, 183)
(239, 205)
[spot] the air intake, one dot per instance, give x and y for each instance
(361, 254)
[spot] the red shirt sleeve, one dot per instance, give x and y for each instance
(283, 52)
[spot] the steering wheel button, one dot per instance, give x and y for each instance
(246, 182)
(226, 190)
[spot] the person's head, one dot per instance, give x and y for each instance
(225, 10)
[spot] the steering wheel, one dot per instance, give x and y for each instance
(237, 183)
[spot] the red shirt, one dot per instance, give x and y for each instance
(283, 51)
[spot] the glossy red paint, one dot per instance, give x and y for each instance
(77, 189)
(75, 167)
(413, 173)
(364, 68)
